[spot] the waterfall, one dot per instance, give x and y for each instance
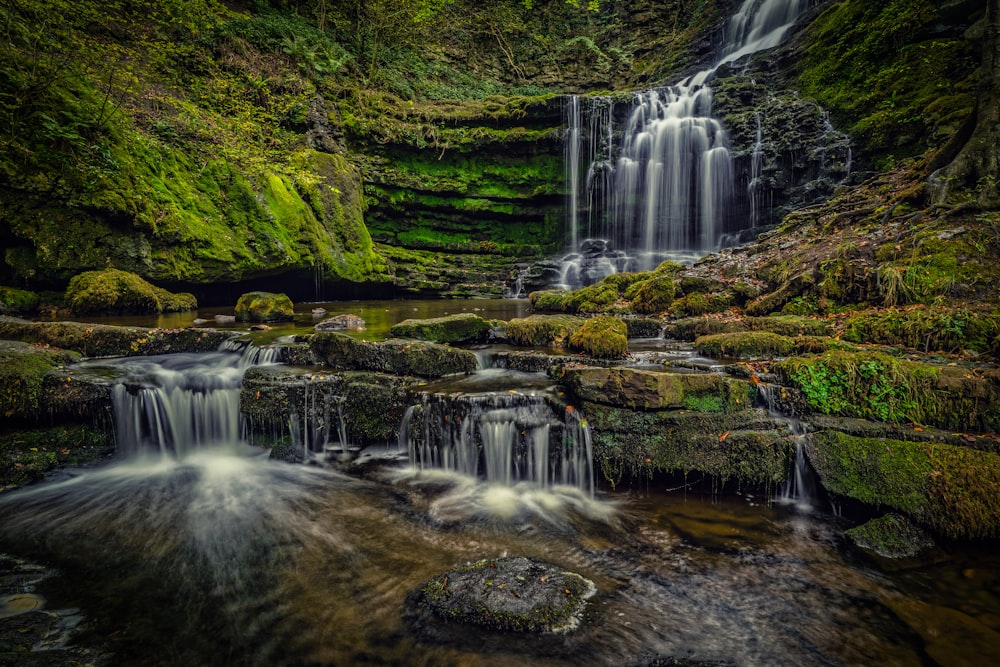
(173, 404)
(666, 190)
(503, 438)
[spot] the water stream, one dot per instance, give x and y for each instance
(207, 552)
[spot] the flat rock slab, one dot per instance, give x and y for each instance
(515, 593)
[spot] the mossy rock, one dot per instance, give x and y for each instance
(928, 328)
(264, 307)
(15, 301)
(953, 490)
(26, 455)
(762, 345)
(890, 536)
(690, 328)
(653, 295)
(643, 327)
(458, 328)
(542, 330)
(397, 357)
(23, 367)
(637, 389)
(373, 403)
(115, 291)
(691, 284)
(601, 337)
(791, 325)
(746, 446)
(102, 340)
(513, 593)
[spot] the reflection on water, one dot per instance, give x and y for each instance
(379, 316)
(225, 557)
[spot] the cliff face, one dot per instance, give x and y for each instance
(197, 145)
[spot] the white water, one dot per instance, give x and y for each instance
(670, 188)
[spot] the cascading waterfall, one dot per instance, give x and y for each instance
(669, 192)
(504, 438)
(173, 404)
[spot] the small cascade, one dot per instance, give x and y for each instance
(801, 490)
(170, 405)
(755, 187)
(321, 418)
(666, 190)
(516, 290)
(503, 438)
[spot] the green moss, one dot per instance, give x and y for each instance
(653, 295)
(602, 337)
(17, 301)
(890, 536)
(792, 325)
(264, 307)
(690, 328)
(866, 384)
(397, 357)
(746, 345)
(27, 455)
(928, 328)
(459, 328)
(102, 340)
(953, 490)
(899, 92)
(114, 291)
(22, 371)
(542, 330)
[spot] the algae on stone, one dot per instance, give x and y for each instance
(264, 307)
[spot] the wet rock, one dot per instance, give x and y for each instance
(100, 340)
(340, 323)
(516, 593)
(458, 328)
(22, 372)
(953, 491)
(637, 389)
(264, 307)
(890, 536)
(225, 319)
(398, 357)
(642, 327)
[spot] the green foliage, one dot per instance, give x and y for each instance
(116, 291)
(870, 385)
(602, 337)
(704, 403)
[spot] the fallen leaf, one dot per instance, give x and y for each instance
(722, 437)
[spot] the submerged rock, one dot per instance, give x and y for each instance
(517, 593)
(890, 536)
(340, 323)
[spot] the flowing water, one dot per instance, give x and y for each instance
(661, 185)
(204, 551)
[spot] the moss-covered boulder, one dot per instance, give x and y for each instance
(953, 490)
(762, 345)
(927, 328)
(601, 337)
(542, 330)
(22, 372)
(458, 328)
(513, 593)
(101, 340)
(264, 307)
(115, 291)
(397, 357)
(891, 536)
(15, 301)
(653, 295)
(690, 328)
(745, 446)
(638, 389)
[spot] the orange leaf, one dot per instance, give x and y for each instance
(722, 438)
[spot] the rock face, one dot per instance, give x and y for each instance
(637, 389)
(264, 307)
(516, 594)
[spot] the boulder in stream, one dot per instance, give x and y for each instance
(264, 307)
(457, 328)
(340, 323)
(515, 593)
